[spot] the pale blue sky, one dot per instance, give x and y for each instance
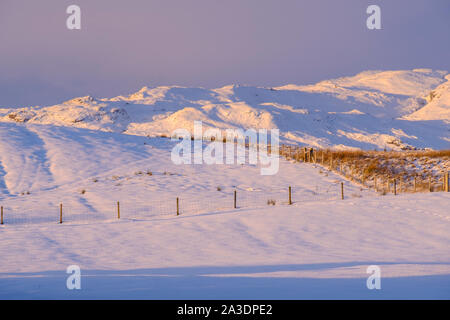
(124, 45)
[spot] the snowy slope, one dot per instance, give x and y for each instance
(437, 107)
(374, 109)
(312, 250)
(42, 165)
(319, 247)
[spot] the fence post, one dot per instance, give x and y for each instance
(118, 210)
(415, 183)
(178, 206)
(235, 196)
(342, 191)
(375, 183)
(395, 187)
(1, 209)
(290, 195)
(60, 212)
(446, 182)
(429, 184)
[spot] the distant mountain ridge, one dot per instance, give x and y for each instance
(374, 109)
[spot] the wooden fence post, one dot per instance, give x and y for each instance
(342, 191)
(415, 183)
(395, 187)
(178, 206)
(447, 187)
(445, 182)
(290, 195)
(1, 209)
(375, 184)
(118, 210)
(60, 212)
(429, 184)
(235, 196)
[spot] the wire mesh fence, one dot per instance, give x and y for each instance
(50, 215)
(186, 204)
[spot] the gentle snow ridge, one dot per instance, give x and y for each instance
(364, 111)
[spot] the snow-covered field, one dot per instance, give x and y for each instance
(319, 247)
(88, 154)
(309, 250)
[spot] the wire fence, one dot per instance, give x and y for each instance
(72, 211)
(51, 215)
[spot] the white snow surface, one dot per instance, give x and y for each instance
(374, 109)
(89, 153)
(319, 247)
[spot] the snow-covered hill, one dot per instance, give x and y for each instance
(374, 109)
(318, 247)
(89, 153)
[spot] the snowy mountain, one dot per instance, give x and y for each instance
(264, 248)
(374, 109)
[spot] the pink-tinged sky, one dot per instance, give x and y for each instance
(124, 45)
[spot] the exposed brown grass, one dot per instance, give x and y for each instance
(408, 168)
